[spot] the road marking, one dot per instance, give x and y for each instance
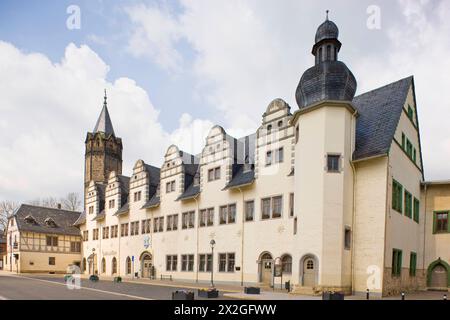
(91, 289)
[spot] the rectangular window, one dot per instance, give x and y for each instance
(441, 222)
(158, 224)
(111, 203)
(137, 196)
(161, 224)
(408, 204)
(410, 113)
(170, 186)
(171, 262)
(124, 230)
(397, 196)
(53, 241)
(187, 262)
(214, 174)
(297, 133)
(75, 246)
(396, 263)
(86, 235)
(403, 141)
(412, 264)
(205, 263)
(333, 163)
(249, 210)
(223, 215)
(227, 214)
(202, 218)
(409, 148)
(222, 262)
(265, 208)
(268, 158)
(291, 205)
(172, 222)
(91, 209)
(279, 155)
(210, 218)
(347, 238)
(277, 205)
(416, 210)
(51, 261)
(188, 220)
(226, 262)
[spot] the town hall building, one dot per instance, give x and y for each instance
(328, 195)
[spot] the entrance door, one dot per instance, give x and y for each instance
(146, 266)
(309, 272)
(439, 277)
(266, 268)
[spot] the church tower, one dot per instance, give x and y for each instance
(103, 152)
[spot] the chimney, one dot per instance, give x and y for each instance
(59, 206)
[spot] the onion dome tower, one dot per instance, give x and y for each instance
(329, 78)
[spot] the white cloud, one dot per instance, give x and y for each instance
(155, 35)
(47, 108)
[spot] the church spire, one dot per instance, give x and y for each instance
(104, 123)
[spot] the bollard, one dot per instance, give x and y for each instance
(403, 296)
(367, 294)
(445, 297)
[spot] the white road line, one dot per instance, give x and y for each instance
(91, 289)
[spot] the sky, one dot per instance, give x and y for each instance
(173, 69)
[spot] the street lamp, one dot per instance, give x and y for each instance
(212, 243)
(93, 253)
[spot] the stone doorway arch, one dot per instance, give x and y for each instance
(438, 275)
(146, 265)
(309, 271)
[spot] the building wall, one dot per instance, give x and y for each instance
(369, 224)
(435, 197)
(402, 232)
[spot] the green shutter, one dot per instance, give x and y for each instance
(412, 264)
(400, 199)
(416, 210)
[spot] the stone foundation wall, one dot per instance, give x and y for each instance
(404, 283)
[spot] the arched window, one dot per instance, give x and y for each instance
(269, 129)
(103, 265)
(266, 256)
(128, 265)
(83, 265)
(320, 55)
(328, 53)
(286, 264)
(114, 265)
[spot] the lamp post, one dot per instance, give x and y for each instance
(93, 253)
(212, 243)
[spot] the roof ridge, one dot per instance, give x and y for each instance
(44, 207)
(384, 86)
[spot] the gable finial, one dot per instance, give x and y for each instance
(328, 11)
(105, 98)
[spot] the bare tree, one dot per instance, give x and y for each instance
(7, 209)
(71, 202)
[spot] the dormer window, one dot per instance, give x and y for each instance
(50, 222)
(30, 219)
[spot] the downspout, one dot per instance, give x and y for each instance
(197, 240)
(424, 229)
(242, 237)
(353, 205)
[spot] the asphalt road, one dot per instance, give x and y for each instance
(52, 288)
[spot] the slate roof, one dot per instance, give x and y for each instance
(190, 192)
(379, 113)
(64, 220)
(244, 175)
(81, 219)
(153, 202)
(104, 123)
(154, 174)
(100, 216)
(124, 209)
